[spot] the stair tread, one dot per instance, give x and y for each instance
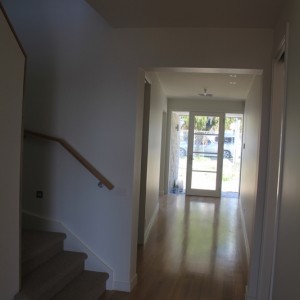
(88, 285)
(47, 275)
(36, 242)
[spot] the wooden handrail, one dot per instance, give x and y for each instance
(75, 154)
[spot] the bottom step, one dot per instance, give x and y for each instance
(87, 286)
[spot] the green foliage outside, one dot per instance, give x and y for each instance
(204, 123)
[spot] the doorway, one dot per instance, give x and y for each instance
(205, 153)
(233, 137)
(204, 163)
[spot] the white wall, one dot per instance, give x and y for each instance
(76, 90)
(275, 136)
(253, 179)
(250, 156)
(144, 162)
(158, 104)
(227, 106)
(85, 84)
(287, 264)
(154, 106)
(12, 62)
(163, 154)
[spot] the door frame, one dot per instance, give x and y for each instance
(188, 105)
(198, 192)
(273, 204)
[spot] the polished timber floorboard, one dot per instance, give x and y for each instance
(194, 252)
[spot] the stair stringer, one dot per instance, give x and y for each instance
(72, 242)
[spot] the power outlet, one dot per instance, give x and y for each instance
(39, 194)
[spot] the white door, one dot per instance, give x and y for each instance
(205, 154)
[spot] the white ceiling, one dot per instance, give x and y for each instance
(189, 84)
(194, 13)
(189, 13)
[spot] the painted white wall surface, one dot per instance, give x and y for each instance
(251, 204)
(227, 106)
(275, 136)
(155, 104)
(163, 154)
(12, 62)
(287, 264)
(144, 162)
(250, 155)
(85, 84)
(158, 104)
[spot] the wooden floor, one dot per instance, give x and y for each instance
(194, 252)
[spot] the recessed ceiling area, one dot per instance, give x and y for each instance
(189, 13)
(199, 85)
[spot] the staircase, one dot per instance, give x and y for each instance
(49, 272)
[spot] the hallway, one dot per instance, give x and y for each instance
(195, 251)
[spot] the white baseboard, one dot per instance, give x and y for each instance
(246, 241)
(134, 280)
(72, 242)
(152, 220)
(125, 286)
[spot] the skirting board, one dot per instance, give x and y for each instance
(125, 286)
(72, 242)
(246, 241)
(149, 227)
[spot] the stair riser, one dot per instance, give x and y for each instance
(93, 294)
(50, 273)
(61, 283)
(96, 293)
(88, 286)
(32, 264)
(55, 287)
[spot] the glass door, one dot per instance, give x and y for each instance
(205, 153)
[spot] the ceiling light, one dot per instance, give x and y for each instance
(232, 82)
(205, 94)
(233, 75)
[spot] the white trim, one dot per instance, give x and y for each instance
(125, 286)
(283, 49)
(152, 220)
(191, 133)
(134, 281)
(72, 242)
(246, 241)
(148, 79)
(273, 192)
